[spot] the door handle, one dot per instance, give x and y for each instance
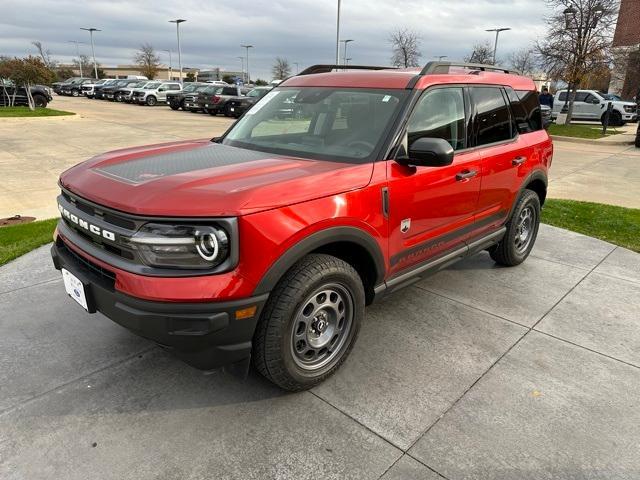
(466, 175)
(518, 161)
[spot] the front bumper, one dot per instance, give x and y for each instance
(204, 335)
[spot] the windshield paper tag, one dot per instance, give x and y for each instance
(263, 101)
(386, 98)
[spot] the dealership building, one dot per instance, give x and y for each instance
(626, 42)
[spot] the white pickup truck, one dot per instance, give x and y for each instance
(592, 105)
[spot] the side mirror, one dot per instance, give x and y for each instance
(428, 152)
(161, 89)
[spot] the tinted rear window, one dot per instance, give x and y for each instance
(527, 113)
(493, 122)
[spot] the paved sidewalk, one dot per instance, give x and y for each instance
(479, 372)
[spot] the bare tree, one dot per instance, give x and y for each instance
(482, 53)
(523, 61)
(281, 69)
(577, 42)
(85, 61)
(405, 47)
(45, 54)
(147, 61)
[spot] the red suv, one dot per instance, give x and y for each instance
(336, 188)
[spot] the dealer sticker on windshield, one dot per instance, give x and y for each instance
(263, 101)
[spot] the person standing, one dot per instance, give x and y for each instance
(546, 98)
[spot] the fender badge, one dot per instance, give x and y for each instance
(405, 225)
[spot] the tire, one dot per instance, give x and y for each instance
(513, 249)
(227, 111)
(39, 101)
(151, 100)
(638, 138)
(615, 119)
(118, 98)
(317, 305)
(75, 93)
(174, 107)
(211, 112)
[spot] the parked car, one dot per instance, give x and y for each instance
(220, 83)
(97, 90)
(41, 94)
(56, 86)
(125, 94)
(154, 93)
(175, 99)
(212, 100)
(265, 244)
(88, 88)
(238, 105)
(108, 92)
(74, 89)
(592, 105)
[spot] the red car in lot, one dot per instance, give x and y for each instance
(267, 242)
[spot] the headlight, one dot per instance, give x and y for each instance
(629, 108)
(181, 246)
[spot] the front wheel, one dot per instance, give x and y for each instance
(75, 93)
(39, 101)
(522, 230)
(310, 322)
(151, 100)
(174, 106)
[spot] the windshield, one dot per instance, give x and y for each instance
(190, 88)
(138, 85)
(610, 96)
(258, 92)
(342, 124)
(152, 86)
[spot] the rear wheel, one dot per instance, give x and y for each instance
(522, 230)
(615, 119)
(75, 93)
(174, 106)
(151, 100)
(227, 111)
(310, 322)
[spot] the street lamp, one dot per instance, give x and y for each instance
(78, 54)
(338, 36)
(178, 21)
(495, 46)
(345, 46)
(170, 65)
(247, 47)
(242, 68)
(93, 52)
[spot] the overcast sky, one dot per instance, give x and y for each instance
(300, 30)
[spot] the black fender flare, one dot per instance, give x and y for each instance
(536, 174)
(315, 241)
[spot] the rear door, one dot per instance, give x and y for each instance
(503, 151)
(431, 209)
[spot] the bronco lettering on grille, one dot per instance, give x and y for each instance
(89, 227)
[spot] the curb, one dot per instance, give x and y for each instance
(589, 141)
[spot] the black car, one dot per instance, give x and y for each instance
(109, 92)
(57, 86)
(97, 90)
(212, 99)
(237, 106)
(41, 95)
(175, 100)
(74, 89)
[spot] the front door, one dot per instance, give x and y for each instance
(431, 209)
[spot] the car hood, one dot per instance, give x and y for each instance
(199, 179)
(622, 103)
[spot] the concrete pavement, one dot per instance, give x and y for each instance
(479, 372)
(35, 150)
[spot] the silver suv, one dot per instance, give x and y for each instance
(592, 105)
(154, 92)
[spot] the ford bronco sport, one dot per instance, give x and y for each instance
(265, 244)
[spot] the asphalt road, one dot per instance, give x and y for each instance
(479, 372)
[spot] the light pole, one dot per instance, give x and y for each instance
(178, 21)
(93, 52)
(346, 61)
(495, 45)
(78, 54)
(345, 47)
(242, 68)
(248, 76)
(338, 36)
(170, 65)
(297, 67)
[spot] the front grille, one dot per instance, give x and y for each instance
(106, 277)
(190, 98)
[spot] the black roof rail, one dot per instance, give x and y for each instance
(443, 67)
(326, 68)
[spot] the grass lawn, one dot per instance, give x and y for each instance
(580, 131)
(16, 240)
(25, 112)
(618, 225)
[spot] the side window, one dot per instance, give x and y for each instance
(591, 99)
(531, 106)
(493, 123)
(581, 96)
(439, 114)
(563, 97)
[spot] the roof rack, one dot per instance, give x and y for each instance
(326, 68)
(443, 67)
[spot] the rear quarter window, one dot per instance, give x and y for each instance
(525, 106)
